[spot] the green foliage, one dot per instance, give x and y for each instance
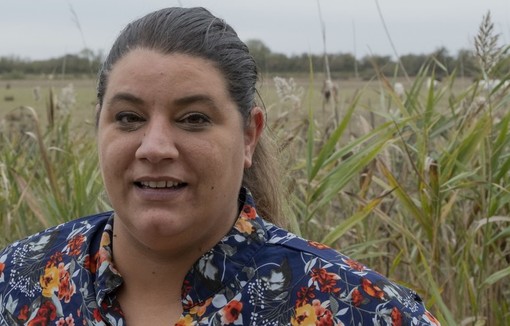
(415, 186)
(342, 65)
(83, 63)
(46, 177)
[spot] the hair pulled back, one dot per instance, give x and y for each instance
(197, 32)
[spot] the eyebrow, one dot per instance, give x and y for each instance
(199, 98)
(125, 97)
(183, 101)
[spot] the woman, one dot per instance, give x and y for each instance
(189, 173)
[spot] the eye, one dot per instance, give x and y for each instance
(129, 120)
(195, 120)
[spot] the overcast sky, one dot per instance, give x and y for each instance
(41, 29)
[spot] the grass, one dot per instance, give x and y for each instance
(81, 98)
(415, 186)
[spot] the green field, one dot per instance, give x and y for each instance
(16, 93)
(415, 186)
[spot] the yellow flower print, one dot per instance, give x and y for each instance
(201, 308)
(105, 239)
(244, 226)
(49, 281)
(185, 321)
(305, 316)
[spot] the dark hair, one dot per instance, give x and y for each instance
(196, 32)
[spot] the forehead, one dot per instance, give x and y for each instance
(143, 68)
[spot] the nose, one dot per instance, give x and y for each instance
(158, 142)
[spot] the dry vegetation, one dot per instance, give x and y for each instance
(415, 186)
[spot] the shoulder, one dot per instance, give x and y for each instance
(311, 251)
(37, 272)
(82, 226)
(331, 284)
(67, 239)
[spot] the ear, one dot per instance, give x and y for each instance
(98, 111)
(252, 134)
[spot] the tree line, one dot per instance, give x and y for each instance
(83, 64)
(346, 65)
(341, 65)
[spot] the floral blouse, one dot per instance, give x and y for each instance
(258, 274)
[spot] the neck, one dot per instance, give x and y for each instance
(152, 278)
(153, 267)
(144, 268)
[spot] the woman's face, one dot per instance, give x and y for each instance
(172, 149)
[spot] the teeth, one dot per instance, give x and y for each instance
(159, 184)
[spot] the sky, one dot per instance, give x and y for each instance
(43, 29)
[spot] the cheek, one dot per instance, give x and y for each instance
(114, 154)
(219, 161)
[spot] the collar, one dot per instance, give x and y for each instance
(218, 268)
(108, 279)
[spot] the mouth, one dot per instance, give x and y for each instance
(160, 184)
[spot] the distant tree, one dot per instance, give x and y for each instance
(382, 63)
(87, 62)
(467, 64)
(342, 64)
(413, 62)
(278, 62)
(260, 53)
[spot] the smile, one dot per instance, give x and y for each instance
(159, 184)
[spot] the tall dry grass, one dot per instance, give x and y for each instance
(415, 186)
(48, 172)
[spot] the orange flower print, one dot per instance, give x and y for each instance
(354, 265)
(305, 316)
(371, 289)
(97, 315)
(324, 316)
(249, 212)
(103, 256)
(75, 243)
(432, 319)
(90, 263)
(38, 321)
(24, 313)
(357, 298)
(244, 226)
(231, 312)
(46, 313)
(326, 280)
(396, 317)
(185, 321)
(68, 321)
(66, 287)
(54, 259)
(2, 267)
(317, 245)
(49, 281)
(304, 295)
